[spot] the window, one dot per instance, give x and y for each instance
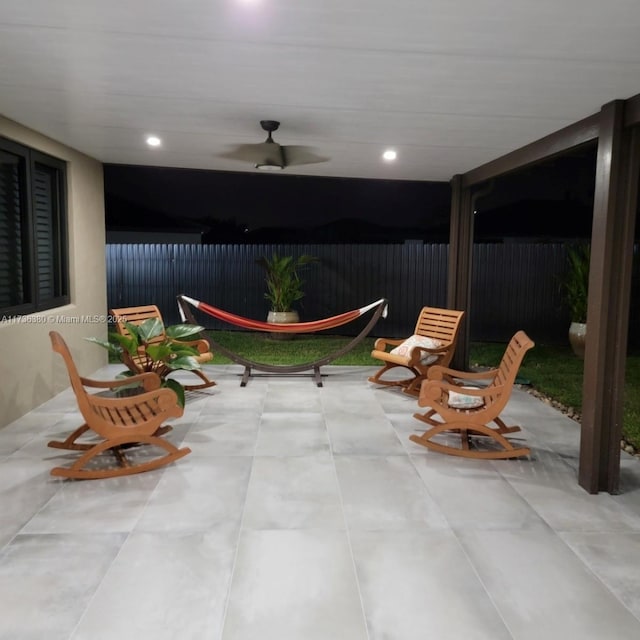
(33, 230)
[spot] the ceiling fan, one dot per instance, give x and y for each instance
(271, 156)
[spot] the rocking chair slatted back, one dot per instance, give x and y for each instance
(136, 316)
(141, 362)
(439, 325)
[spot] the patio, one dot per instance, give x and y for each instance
(306, 513)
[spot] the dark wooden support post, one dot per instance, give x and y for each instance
(609, 292)
(459, 268)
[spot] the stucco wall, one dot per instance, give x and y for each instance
(30, 373)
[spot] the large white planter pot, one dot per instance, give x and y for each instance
(283, 317)
(578, 338)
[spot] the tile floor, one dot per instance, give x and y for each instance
(305, 513)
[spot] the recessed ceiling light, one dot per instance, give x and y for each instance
(389, 155)
(154, 141)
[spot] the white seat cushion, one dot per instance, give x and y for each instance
(464, 401)
(405, 348)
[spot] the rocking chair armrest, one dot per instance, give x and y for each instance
(149, 381)
(432, 391)
(382, 343)
(439, 372)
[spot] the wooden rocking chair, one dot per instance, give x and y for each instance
(467, 411)
(432, 343)
(120, 422)
(136, 316)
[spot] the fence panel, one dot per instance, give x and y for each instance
(514, 286)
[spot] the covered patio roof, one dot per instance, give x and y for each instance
(449, 85)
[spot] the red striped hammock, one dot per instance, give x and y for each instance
(293, 327)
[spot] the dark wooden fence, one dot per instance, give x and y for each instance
(515, 286)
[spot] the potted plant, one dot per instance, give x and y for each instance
(151, 346)
(284, 285)
(575, 286)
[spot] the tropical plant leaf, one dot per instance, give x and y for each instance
(175, 386)
(129, 343)
(184, 362)
(113, 349)
(133, 331)
(183, 350)
(178, 331)
(151, 328)
(158, 352)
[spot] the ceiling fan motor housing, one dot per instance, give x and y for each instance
(269, 125)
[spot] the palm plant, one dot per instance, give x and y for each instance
(575, 284)
(284, 285)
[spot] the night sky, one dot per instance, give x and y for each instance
(275, 200)
(267, 200)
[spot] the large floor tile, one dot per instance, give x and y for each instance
(418, 585)
(385, 493)
(299, 492)
(350, 399)
(201, 493)
(25, 488)
(91, 506)
(362, 434)
(543, 590)
(164, 586)
(223, 434)
(292, 434)
(286, 395)
(47, 581)
(290, 585)
(613, 557)
(471, 494)
(550, 486)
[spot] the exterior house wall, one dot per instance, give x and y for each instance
(30, 373)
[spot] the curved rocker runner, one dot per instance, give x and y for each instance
(379, 307)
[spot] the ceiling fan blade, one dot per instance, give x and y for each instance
(264, 152)
(296, 155)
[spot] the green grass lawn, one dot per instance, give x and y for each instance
(261, 347)
(552, 370)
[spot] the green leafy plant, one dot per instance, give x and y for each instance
(575, 284)
(284, 285)
(150, 346)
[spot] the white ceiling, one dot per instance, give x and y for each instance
(449, 84)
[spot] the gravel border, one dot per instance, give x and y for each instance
(572, 413)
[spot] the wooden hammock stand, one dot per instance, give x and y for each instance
(285, 369)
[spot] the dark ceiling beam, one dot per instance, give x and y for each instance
(581, 132)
